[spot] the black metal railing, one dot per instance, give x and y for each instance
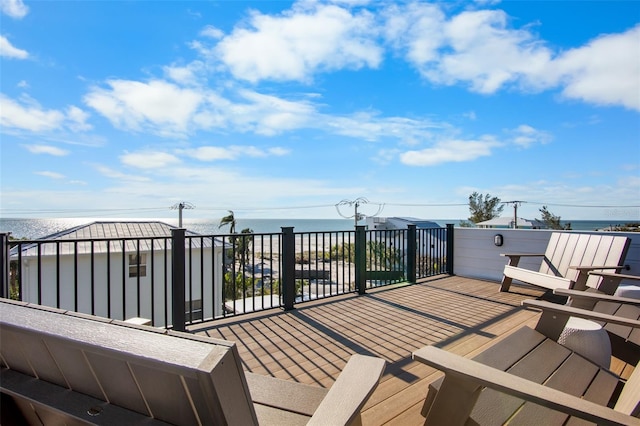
(216, 276)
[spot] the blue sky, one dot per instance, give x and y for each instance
(283, 109)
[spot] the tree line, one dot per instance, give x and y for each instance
(485, 207)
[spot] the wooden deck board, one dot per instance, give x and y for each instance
(312, 343)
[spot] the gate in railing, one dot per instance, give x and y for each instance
(216, 275)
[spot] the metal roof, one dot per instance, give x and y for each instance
(135, 235)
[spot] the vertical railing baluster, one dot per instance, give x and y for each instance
(39, 273)
(166, 282)
(108, 278)
(124, 278)
(75, 276)
(152, 282)
(288, 267)
(360, 255)
(202, 298)
(411, 253)
(58, 274)
(178, 278)
(5, 268)
(190, 281)
(92, 277)
(450, 248)
(214, 273)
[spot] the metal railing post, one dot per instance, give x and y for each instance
(411, 253)
(288, 268)
(4, 264)
(361, 259)
(177, 278)
(450, 249)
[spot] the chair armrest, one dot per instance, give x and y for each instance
(594, 267)
(612, 275)
(556, 310)
(473, 374)
(596, 297)
(554, 317)
(350, 392)
(522, 254)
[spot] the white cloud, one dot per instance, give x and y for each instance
(28, 115)
(480, 48)
(157, 106)
(474, 47)
(7, 50)
(233, 152)
(270, 115)
(46, 149)
(605, 71)
(115, 174)
(415, 29)
(210, 153)
(77, 119)
(189, 75)
(51, 175)
(212, 32)
(372, 126)
(525, 136)
(450, 151)
(310, 37)
(14, 8)
(149, 159)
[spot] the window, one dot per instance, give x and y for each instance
(196, 310)
(137, 265)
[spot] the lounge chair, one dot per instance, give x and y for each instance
(67, 368)
(530, 378)
(567, 261)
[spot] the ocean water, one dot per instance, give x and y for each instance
(39, 228)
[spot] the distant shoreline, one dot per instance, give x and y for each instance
(33, 228)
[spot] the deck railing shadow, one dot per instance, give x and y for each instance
(311, 343)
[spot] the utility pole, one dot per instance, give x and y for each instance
(355, 203)
(181, 206)
(515, 211)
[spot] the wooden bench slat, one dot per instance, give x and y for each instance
(42, 397)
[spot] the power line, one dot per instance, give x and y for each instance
(113, 211)
(583, 205)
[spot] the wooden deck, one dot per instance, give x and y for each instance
(313, 343)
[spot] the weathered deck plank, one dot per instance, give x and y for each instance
(313, 343)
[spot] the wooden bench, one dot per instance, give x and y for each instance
(67, 368)
(529, 378)
(567, 261)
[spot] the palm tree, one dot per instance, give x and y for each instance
(230, 219)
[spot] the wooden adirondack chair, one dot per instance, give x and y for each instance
(66, 368)
(567, 261)
(530, 378)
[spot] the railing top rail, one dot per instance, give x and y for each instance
(84, 240)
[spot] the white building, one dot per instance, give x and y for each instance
(506, 222)
(390, 223)
(121, 270)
